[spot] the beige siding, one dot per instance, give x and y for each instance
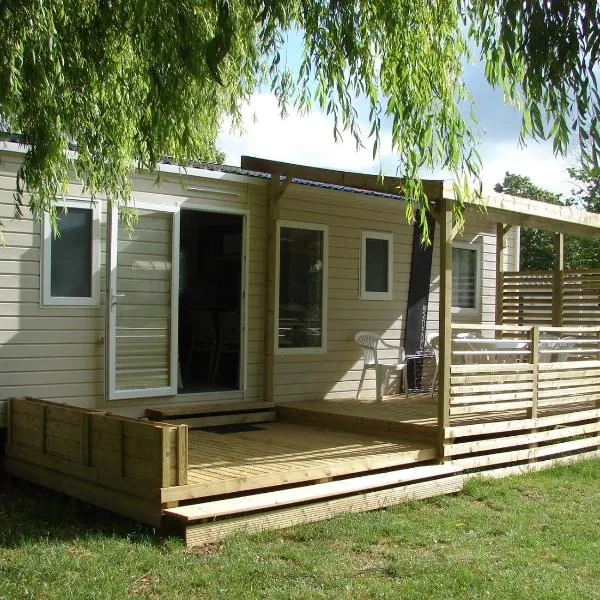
(337, 372)
(50, 352)
(477, 230)
(58, 352)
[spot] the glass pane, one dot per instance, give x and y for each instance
(71, 255)
(300, 288)
(143, 304)
(464, 265)
(376, 262)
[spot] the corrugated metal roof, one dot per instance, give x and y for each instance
(231, 170)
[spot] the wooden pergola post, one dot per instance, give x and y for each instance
(276, 191)
(557, 280)
(499, 272)
(445, 320)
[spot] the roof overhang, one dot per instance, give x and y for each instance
(514, 210)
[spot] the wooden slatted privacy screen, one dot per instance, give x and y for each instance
(550, 298)
(144, 303)
(117, 462)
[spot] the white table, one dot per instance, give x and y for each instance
(502, 350)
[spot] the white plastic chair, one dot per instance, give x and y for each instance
(548, 343)
(371, 344)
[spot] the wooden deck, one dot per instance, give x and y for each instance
(307, 461)
(281, 453)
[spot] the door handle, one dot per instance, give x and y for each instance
(114, 299)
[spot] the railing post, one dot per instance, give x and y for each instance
(558, 280)
(534, 340)
(445, 322)
(499, 275)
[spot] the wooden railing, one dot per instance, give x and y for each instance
(117, 462)
(559, 298)
(526, 407)
(517, 368)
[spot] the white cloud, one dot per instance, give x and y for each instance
(304, 140)
(309, 140)
(536, 161)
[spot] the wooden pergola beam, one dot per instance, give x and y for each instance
(361, 181)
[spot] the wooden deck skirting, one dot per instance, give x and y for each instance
(115, 462)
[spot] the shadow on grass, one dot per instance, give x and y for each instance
(30, 513)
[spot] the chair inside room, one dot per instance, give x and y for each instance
(373, 346)
(228, 343)
(203, 345)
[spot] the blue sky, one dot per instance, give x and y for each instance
(309, 140)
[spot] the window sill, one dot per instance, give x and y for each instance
(376, 296)
(283, 351)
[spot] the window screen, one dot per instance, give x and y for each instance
(464, 278)
(301, 264)
(376, 265)
(71, 255)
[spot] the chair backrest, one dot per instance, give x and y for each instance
(369, 343)
(433, 340)
(202, 326)
(468, 335)
(229, 328)
(568, 342)
(548, 342)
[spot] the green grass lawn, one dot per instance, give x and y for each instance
(534, 536)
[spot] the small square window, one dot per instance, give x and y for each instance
(376, 265)
(70, 260)
(466, 279)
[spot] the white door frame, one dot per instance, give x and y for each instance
(112, 299)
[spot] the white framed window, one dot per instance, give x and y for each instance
(301, 286)
(70, 267)
(466, 279)
(376, 265)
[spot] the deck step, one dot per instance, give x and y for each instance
(214, 415)
(201, 533)
(307, 493)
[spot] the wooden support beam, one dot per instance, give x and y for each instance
(557, 280)
(500, 242)
(534, 340)
(165, 456)
(9, 404)
(276, 191)
(85, 438)
(182, 454)
(120, 464)
(445, 321)
(43, 424)
(361, 181)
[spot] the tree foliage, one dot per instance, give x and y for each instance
(537, 250)
(139, 79)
